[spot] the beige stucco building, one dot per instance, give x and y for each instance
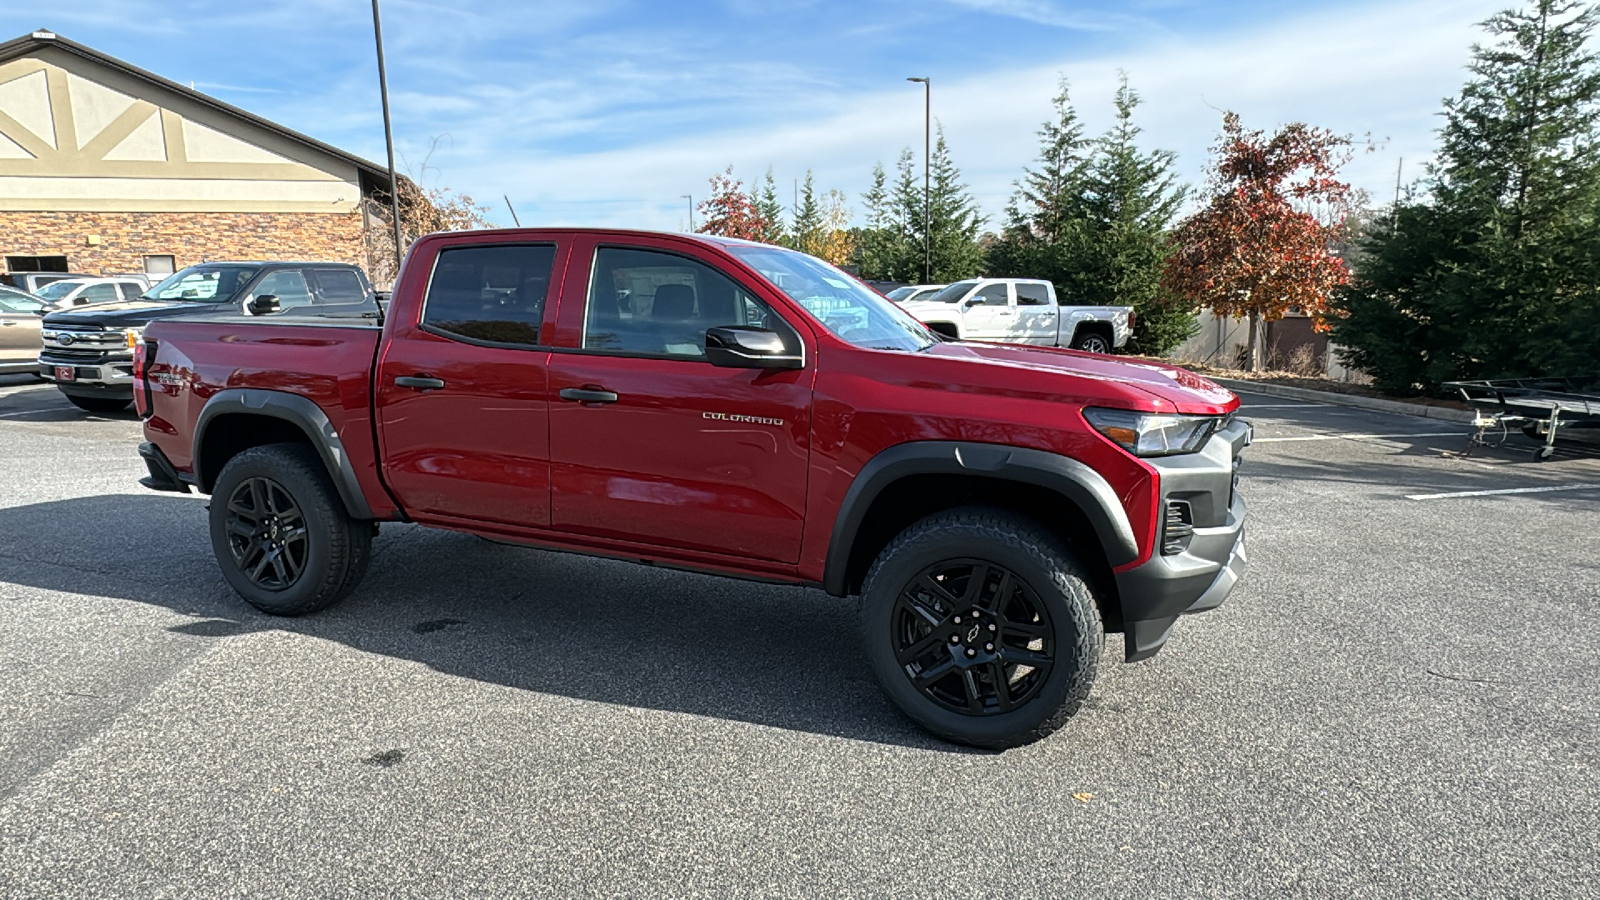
(106, 168)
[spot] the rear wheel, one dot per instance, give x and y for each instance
(981, 626)
(99, 404)
(1091, 342)
(281, 534)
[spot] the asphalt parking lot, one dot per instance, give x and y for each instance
(1400, 700)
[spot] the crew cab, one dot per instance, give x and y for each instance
(88, 351)
(727, 407)
(1020, 311)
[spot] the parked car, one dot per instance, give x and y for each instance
(1021, 311)
(912, 292)
(88, 350)
(30, 282)
(20, 314)
(70, 292)
(729, 407)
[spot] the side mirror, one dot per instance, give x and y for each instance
(262, 305)
(743, 347)
(972, 301)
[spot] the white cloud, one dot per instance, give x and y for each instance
(1048, 12)
(1378, 69)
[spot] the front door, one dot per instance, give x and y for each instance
(1036, 314)
(462, 394)
(989, 316)
(651, 443)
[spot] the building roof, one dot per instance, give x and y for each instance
(376, 176)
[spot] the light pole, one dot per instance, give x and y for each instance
(388, 139)
(927, 204)
(690, 198)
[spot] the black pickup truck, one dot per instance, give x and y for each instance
(88, 351)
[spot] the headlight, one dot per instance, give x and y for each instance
(1152, 434)
(135, 337)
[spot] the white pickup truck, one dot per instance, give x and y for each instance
(1021, 311)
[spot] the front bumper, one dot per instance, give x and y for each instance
(1201, 574)
(100, 379)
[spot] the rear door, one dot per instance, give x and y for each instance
(461, 389)
(651, 443)
(989, 317)
(1036, 314)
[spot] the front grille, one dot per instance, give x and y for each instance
(1177, 527)
(56, 355)
(73, 339)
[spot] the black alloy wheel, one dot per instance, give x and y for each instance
(973, 637)
(267, 534)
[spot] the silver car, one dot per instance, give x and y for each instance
(20, 315)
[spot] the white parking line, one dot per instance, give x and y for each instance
(1533, 490)
(1355, 437)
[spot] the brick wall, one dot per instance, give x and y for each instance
(127, 238)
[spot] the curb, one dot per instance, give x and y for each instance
(1373, 403)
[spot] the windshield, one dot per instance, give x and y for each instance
(901, 293)
(55, 290)
(953, 293)
(204, 284)
(843, 305)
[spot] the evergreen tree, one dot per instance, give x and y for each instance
(909, 262)
(1495, 271)
(952, 221)
(770, 210)
(809, 231)
(1129, 200)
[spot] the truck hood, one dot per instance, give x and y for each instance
(1183, 389)
(920, 308)
(130, 313)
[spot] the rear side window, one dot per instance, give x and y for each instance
(648, 303)
(493, 294)
(339, 286)
(1032, 295)
(129, 290)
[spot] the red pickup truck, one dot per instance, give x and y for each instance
(731, 408)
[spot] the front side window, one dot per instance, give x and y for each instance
(993, 295)
(98, 293)
(129, 290)
(288, 285)
(204, 284)
(18, 303)
(651, 303)
(493, 294)
(844, 306)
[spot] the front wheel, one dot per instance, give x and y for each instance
(281, 534)
(981, 626)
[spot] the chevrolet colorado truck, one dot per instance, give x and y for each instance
(726, 407)
(88, 351)
(1020, 311)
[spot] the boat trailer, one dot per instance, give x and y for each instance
(1540, 407)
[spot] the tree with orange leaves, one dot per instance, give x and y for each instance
(730, 212)
(1260, 247)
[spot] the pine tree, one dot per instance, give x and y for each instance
(770, 211)
(1130, 199)
(907, 202)
(808, 231)
(953, 220)
(1495, 270)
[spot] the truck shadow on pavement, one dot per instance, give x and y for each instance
(612, 632)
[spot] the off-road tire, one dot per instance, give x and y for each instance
(1047, 568)
(99, 404)
(338, 547)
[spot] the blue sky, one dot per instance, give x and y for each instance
(606, 112)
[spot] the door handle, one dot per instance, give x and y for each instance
(420, 382)
(589, 395)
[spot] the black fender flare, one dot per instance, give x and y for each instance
(1067, 477)
(299, 411)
